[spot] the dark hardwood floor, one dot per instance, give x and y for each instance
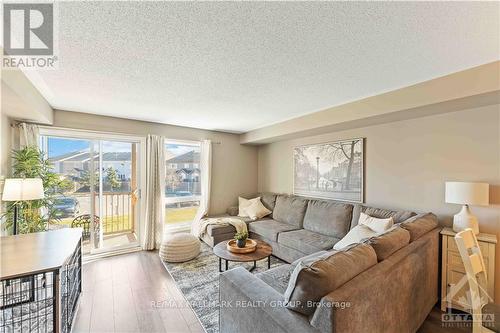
(433, 323)
(120, 293)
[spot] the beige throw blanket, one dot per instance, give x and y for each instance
(199, 228)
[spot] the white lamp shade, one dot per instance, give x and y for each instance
(464, 193)
(22, 189)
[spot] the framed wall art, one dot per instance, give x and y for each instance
(332, 170)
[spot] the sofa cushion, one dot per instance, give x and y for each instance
(268, 200)
(280, 251)
(290, 210)
(269, 229)
(419, 225)
(389, 242)
(398, 216)
(277, 277)
(328, 217)
(306, 241)
(313, 278)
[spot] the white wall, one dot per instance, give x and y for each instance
(408, 162)
(21, 100)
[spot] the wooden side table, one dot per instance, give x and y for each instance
(454, 284)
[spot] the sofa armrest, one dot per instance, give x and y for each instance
(248, 304)
(396, 295)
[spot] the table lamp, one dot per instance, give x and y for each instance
(465, 194)
(22, 189)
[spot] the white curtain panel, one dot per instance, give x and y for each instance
(155, 188)
(29, 135)
(206, 180)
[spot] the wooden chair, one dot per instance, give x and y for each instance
(485, 315)
(83, 221)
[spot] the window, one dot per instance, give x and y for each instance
(182, 182)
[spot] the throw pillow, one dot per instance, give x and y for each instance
(232, 211)
(244, 204)
(256, 210)
(368, 226)
(354, 236)
(376, 224)
(315, 277)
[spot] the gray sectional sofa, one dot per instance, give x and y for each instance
(300, 226)
(394, 295)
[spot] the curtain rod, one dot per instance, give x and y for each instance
(18, 123)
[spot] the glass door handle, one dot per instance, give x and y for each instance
(136, 195)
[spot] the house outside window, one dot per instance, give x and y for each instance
(182, 182)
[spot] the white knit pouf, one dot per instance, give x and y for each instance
(179, 247)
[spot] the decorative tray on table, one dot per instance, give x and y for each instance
(250, 246)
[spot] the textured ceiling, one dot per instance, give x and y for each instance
(240, 66)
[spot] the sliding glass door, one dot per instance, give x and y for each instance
(103, 195)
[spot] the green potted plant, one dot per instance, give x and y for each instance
(241, 239)
(35, 216)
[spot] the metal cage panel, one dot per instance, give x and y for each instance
(30, 303)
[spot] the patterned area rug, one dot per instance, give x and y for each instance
(198, 280)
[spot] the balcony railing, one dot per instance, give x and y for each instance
(117, 214)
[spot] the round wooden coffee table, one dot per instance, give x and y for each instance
(263, 250)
